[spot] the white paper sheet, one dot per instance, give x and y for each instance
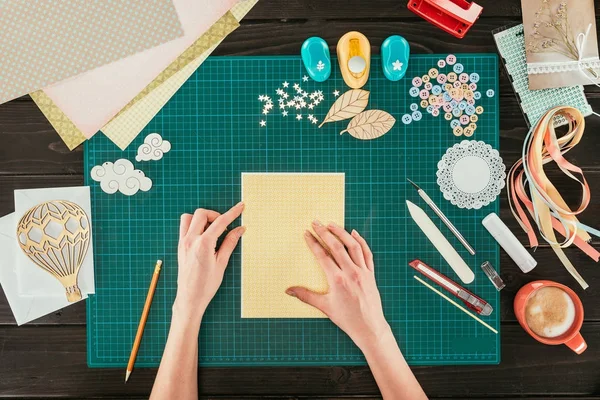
(32, 280)
(91, 99)
(24, 308)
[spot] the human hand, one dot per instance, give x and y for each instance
(353, 302)
(201, 265)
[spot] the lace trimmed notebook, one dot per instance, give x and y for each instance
(561, 43)
(534, 103)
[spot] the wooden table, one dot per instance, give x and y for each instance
(48, 358)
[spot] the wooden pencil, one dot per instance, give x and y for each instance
(143, 319)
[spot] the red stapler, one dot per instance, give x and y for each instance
(454, 16)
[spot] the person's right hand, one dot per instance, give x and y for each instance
(353, 302)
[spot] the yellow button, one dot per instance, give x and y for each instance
(452, 77)
(468, 132)
(473, 126)
(448, 87)
(424, 103)
(479, 109)
(448, 116)
(458, 131)
(433, 73)
(468, 94)
(464, 86)
(474, 118)
(425, 78)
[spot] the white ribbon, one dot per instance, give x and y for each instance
(580, 44)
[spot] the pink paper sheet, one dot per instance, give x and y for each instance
(93, 98)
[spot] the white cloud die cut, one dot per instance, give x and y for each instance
(153, 148)
(120, 176)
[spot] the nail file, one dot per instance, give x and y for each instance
(442, 245)
(471, 300)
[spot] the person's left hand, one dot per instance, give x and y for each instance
(201, 265)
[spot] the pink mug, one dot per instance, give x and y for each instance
(572, 338)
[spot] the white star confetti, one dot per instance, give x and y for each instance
(263, 122)
(285, 84)
(285, 95)
(299, 117)
(336, 93)
(305, 78)
(284, 113)
(311, 106)
(314, 121)
(261, 97)
(296, 86)
(320, 66)
(279, 92)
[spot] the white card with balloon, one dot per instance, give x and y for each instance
(24, 308)
(54, 243)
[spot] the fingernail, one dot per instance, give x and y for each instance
(290, 292)
(240, 204)
(333, 225)
(316, 222)
(307, 234)
(242, 230)
(354, 233)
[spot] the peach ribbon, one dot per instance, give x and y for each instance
(530, 189)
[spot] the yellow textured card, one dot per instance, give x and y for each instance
(279, 208)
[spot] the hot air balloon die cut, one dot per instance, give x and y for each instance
(24, 308)
(54, 241)
(55, 235)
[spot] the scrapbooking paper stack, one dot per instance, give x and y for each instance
(46, 245)
(120, 97)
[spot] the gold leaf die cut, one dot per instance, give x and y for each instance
(349, 104)
(370, 125)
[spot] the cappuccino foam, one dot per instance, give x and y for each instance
(550, 312)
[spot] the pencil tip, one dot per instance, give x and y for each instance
(127, 376)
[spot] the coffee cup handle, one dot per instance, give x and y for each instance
(577, 344)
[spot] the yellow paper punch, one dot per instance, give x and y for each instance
(354, 57)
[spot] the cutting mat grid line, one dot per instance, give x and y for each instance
(213, 125)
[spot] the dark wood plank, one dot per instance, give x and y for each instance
(51, 362)
(30, 144)
(356, 9)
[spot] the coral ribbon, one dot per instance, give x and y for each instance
(530, 189)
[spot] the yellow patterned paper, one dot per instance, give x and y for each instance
(68, 132)
(125, 127)
(220, 29)
(279, 208)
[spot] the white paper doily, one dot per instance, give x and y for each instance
(471, 174)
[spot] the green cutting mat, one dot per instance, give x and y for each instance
(213, 125)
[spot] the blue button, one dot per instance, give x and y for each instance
(454, 123)
(407, 119)
(477, 95)
(414, 107)
(414, 91)
(416, 116)
(458, 68)
(429, 108)
(436, 90)
(447, 97)
(454, 103)
(462, 105)
(489, 93)
(470, 110)
(474, 77)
